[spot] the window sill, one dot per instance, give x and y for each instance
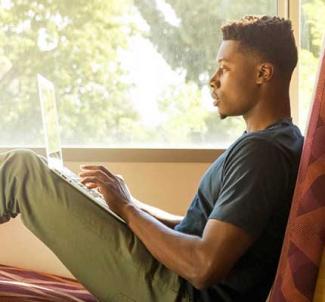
(131, 154)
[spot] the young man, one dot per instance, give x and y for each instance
(227, 246)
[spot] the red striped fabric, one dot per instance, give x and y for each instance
(305, 235)
(22, 285)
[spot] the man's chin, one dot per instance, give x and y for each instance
(222, 116)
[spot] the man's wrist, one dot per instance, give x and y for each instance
(128, 211)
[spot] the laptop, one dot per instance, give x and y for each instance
(53, 144)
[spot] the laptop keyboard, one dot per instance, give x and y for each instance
(72, 177)
(92, 193)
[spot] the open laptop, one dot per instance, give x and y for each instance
(53, 144)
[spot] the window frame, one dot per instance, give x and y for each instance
(286, 9)
(145, 155)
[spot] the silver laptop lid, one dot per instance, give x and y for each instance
(50, 123)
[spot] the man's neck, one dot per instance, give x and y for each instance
(251, 127)
(267, 113)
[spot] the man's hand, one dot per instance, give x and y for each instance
(117, 194)
(112, 187)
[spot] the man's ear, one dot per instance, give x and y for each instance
(265, 72)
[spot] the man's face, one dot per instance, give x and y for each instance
(233, 85)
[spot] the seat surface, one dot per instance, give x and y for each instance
(22, 285)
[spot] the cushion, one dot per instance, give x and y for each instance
(22, 285)
(305, 235)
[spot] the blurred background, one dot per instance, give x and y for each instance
(129, 73)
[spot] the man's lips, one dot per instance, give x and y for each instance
(216, 99)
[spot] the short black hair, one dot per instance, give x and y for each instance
(270, 37)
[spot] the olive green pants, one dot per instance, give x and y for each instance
(99, 250)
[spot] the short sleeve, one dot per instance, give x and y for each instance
(253, 185)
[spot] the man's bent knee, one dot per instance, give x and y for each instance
(22, 156)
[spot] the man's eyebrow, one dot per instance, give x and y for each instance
(222, 60)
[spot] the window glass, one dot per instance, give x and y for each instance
(127, 73)
(312, 27)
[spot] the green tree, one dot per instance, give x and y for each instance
(187, 121)
(312, 29)
(75, 44)
(190, 47)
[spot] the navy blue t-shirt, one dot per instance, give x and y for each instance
(250, 185)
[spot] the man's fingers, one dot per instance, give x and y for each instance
(90, 180)
(91, 185)
(89, 167)
(96, 173)
(101, 168)
(105, 170)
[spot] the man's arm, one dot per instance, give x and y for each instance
(166, 218)
(200, 260)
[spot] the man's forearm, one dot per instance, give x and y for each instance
(166, 218)
(177, 251)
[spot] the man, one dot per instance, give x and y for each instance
(227, 246)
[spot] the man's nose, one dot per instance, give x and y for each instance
(214, 81)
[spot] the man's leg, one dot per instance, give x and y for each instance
(100, 251)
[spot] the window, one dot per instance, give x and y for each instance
(312, 29)
(127, 73)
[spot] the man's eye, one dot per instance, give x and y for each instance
(222, 69)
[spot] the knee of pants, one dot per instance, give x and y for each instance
(22, 156)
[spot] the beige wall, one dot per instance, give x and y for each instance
(169, 186)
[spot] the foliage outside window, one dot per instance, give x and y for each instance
(127, 73)
(312, 28)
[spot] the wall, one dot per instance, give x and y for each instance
(169, 186)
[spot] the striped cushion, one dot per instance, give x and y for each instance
(305, 235)
(23, 285)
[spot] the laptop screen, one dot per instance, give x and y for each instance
(50, 122)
